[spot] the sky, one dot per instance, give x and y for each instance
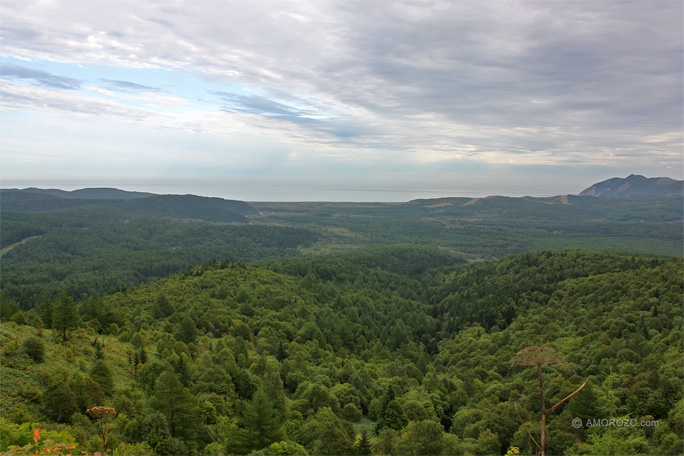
(343, 100)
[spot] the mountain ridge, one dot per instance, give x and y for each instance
(114, 200)
(104, 193)
(636, 185)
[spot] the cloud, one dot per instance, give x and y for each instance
(11, 71)
(416, 82)
(129, 86)
(263, 106)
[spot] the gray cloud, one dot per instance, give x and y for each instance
(263, 106)
(561, 80)
(130, 86)
(38, 77)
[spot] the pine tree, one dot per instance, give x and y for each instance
(364, 445)
(176, 404)
(273, 387)
(188, 330)
(101, 373)
(162, 308)
(260, 424)
(65, 315)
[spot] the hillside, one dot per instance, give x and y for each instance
(84, 246)
(636, 185)
(319, 355)
(106, 204)
(103, 193)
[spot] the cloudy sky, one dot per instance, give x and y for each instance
(339, 100)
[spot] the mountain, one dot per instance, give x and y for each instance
(636, 185)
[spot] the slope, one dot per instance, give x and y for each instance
(359, 341)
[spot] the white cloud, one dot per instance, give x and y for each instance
(544, 83)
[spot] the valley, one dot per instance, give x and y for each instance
(342, 328)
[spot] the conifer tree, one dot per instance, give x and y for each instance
(162, 308)
(188, 330)
(176, 404)
(65, 315)
(364, 445)
(101, 373)
(260, 424)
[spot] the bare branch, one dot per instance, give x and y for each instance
(568, 397)
(525, 425)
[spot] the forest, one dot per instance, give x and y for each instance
(427, 328)
(385, 350)
(80, 246)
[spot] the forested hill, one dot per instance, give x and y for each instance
(90, 193)
(110, 205)
(358, 353)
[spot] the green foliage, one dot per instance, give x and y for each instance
(101, 373)
(89, 253)
(8, 307)
(260, 424)
(307, 354)
(34, 349)
(175, 403)
(59, 401)
(325, 433)
(65, 315)
(188, 330)
(422, 438)
(282, 449)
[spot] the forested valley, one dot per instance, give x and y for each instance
(416, 329)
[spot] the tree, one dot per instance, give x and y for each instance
(259, 423)
(188, 330)
(282, 449)
(162, 308)
(393, 417)
(325, 433)
(101, 373)
(34, 349)
(59, 401)
(65, 315)
(364, 447)
(176, 404)
(421, 438)
(488, 443)
(541, 356)
(272, 386)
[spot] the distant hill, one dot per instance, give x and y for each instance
(636, 185)
(103, 193)
(194, 207)
(104, 202)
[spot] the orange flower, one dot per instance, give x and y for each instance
(36, 435)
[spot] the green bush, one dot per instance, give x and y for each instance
(34, 349)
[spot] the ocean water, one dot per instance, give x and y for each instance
(286, 193)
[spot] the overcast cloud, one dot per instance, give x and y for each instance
(412, 97)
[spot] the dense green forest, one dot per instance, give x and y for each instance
(493, 227)
(143, 324)
(68, 254)
(380, 350)
(57, 242)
